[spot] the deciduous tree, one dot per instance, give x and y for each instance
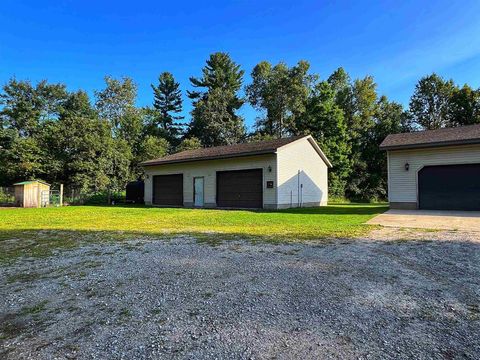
(429, 104)
(280, 93)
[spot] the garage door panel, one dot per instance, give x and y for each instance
(449, 187)
(168, 190)
(240, 188)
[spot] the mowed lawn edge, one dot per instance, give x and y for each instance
(31, 231)
(343, 220)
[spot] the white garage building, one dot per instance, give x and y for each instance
(281, 173)
(434, 169)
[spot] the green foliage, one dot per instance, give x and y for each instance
(429, 104)
(192, 143)
(214, 119)
(153, 147)
(101, 198)
(50, 133)
(370, 181)
(167, 104)
(280, 93)
(324, 120)
(116, 101)
(464, 107)
(258, 136)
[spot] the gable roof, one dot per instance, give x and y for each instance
(31, 182)
(462, 135)
(231, 151)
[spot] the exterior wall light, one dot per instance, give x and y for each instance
(407, 166)
(269, 168)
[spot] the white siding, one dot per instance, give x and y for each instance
(208, 170)
(299, 163)
(403, 184)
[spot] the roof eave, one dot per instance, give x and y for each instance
(206, 158)
(430, 145)
(317, 148)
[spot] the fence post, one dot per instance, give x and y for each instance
(61, 195)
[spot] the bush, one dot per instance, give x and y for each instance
(102, 198)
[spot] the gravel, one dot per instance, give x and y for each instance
(383, 297)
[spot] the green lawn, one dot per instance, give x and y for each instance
(65, 226)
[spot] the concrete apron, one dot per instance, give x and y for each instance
(429, 219)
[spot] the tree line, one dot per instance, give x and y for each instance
(97, 144)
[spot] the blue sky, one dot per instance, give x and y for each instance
(79, 42)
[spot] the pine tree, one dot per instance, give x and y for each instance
(167, 104)
(214, 118)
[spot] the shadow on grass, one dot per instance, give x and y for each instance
(331, 209)
(43, 243)
(350, 209)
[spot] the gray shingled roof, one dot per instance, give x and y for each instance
(431, 138)
(229, 151)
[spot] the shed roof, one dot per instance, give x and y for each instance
(31, 182)
(462, 135)
(231, 151)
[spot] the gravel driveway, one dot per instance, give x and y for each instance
(382, 297)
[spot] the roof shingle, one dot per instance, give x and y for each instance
(222, 152)
(462, 135)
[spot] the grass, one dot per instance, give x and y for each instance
(37, 232)
(33, 310)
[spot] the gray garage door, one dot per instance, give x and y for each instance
(449, 187)
(240, 189)
(168, 190)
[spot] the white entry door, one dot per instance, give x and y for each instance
(198, 191)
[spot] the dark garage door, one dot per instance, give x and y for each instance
(241, 189)
(168, 190)
(450, 187)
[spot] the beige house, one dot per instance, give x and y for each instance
(33, 193)
(282, 173)
(434, 169)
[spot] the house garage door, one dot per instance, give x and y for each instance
(168, 190)
(450, 187)
(242, 189)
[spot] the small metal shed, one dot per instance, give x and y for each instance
(32, 194)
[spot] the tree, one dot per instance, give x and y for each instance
(153, 147)
(389, 118)
(27, 117)
(192, 143)
(340, 82)
(358, 100)
(213, 122)
(24, 106)
(82, 143)
(214, 118)
(116, 101)
(324, 121)
(281, 93)
(464, 106)
(23, 160)
(258, 136)
(429, 104)
(116, 105)
(168, 104)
